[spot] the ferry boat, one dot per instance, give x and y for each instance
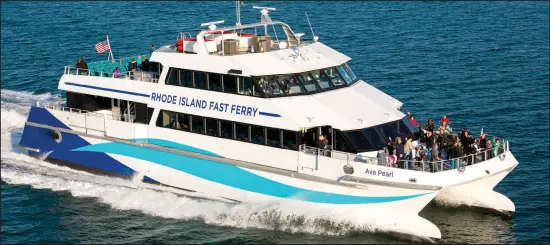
(234, 113)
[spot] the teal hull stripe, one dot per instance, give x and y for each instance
(231, 175)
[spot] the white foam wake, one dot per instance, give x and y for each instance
(18, 168)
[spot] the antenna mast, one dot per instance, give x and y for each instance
(314, 37)
(238, 12)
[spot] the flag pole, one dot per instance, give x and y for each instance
(110, 52)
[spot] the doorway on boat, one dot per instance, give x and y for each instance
(312, 140)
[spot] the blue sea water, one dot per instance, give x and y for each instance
(484, 64)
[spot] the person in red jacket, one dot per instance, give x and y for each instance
(445, 121)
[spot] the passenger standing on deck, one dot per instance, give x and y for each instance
(134, 64)
(391, 151)
(429, 140)
(117, 73)
(153, 48)
(482, 141)
(412, 121)
(408, 152)
(133, 67)
(445, 121)
(145, 64)
(83, 67)
(382, 157)
(435, 158)
(399, 151)
(430, 125)
(321, 144)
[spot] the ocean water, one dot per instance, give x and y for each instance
(484, 64)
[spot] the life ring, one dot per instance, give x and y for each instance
(348, 169)
(57, 136)
(502, 156)
(461, 169)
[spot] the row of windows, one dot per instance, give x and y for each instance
(228, 129)
(265, 86)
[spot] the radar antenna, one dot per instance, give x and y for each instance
(264, 17)
(212, 25)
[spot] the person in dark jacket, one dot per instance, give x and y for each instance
(399, 151)
(482, 143)
(430, 125)
(429, 139)
(146, 66)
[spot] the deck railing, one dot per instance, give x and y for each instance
(143, 76)
(426, 166)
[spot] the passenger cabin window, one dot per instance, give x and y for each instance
(273, 137)
(289, 140)
(290, 84)
(255, 134)
(200, 80)
(215, 82)
(187, 78)
(264, 86)
(351, 73)
(212, 126)
(230, 84)
(197, 124)
(241, 132)
(308, 81)
(269, 86)
(334, 76)
(344, 75)
(323, 81)
(226, 129)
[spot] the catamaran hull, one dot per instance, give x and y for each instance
(381, 207)
(480, 192)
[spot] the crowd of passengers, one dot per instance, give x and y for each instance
(437, 145)
(82, 67)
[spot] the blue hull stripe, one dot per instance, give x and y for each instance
(268, 114)
(107, 89)
(234, 176)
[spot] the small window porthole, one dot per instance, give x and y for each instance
(412, 180)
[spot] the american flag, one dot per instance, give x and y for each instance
(101, 47)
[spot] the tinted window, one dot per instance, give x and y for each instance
(268, 86)
(230, 84)
(290, 84)
(197, 124)
(200, 80)
(344, 74)
(358, 141)
(226, 129)
(376, 140)
(173, 77)
(246, 86)
(183, 122)
(257, 135)
(323, 81)
(308, 81)
(215, 82)
(241, 132)
(334, 76)
(350, 72)
(340, 142)
(212, 127)
(186, 78)
(289, 140)
(273, 137)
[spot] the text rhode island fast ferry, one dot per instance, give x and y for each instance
(234, 113)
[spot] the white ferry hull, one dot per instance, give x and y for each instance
(387, 208)
(480, 191)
